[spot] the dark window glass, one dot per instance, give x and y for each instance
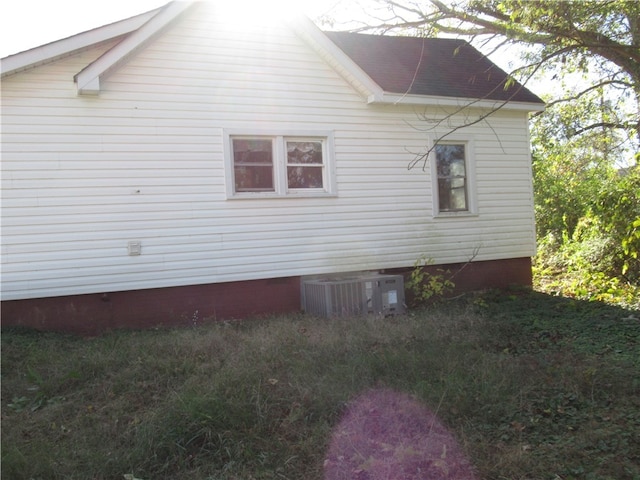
(253, 165)
(304, 164)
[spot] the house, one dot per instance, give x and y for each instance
(179, 167)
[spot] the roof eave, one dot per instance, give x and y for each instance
(388, 98)
(67, 46)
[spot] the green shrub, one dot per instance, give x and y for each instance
(583, 267)
(428, 285)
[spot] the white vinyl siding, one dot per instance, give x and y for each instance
(145, 161)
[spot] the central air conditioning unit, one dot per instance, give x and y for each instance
(353, 295)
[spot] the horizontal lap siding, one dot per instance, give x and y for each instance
(82, 176)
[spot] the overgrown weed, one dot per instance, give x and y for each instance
(532, 386)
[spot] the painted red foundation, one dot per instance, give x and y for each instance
(198, 304)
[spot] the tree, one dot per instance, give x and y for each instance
(597, 41)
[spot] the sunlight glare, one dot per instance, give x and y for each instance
(253, 12)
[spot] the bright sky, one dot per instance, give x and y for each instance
(25, 24)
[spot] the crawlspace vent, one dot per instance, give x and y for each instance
(357, 295)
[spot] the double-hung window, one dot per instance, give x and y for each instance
(453, 178)
(279, 165)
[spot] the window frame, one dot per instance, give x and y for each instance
(280, 163)
(470, 178)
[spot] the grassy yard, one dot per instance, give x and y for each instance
(531, 386)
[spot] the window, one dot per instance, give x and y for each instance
(453, 180)
(279, 165)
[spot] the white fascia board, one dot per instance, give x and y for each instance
(66, 46)
(88, 80)
(336, 58)
(387, 98)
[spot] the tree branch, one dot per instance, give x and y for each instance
(585, 91)
(622, 126)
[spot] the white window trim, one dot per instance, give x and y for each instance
(470, 170)
(280, 163)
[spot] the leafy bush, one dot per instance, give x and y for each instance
(595, 255)
(427, 285)
(618, 209)
(583, 267)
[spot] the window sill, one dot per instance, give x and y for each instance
(447, 215)
(265, 196)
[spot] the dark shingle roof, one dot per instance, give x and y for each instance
(445, 67)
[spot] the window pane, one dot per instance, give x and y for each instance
(253, 165)
(254, 179)
(450, 159)
(304, 152)
(304, 177)
(304, 164)
(452, 194)
(252, 151)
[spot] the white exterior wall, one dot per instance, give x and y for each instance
(82, 176)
